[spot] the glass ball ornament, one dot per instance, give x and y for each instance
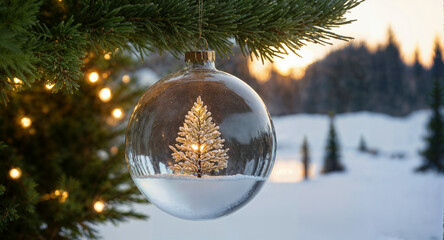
(200, 142)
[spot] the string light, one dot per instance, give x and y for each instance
(107, 56)
(99, 206)
(126, 79)
(105, 94)
(59, 194)
(93, 77)
(62, 196)
(15, 173)
(117, 113)
(18, 81)
(49, 86)
(25, 122)
(105, 75)
(114, 150)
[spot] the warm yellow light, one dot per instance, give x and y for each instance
(93, 77)
(105, 75)
(57, 192)
(114, 150)
(262, 72)
(99, 206)
(49, 86)
(290, 171)
(126, 79)
(105, 94)
(25, 122)
(194, 147)
(202, 147)
(107, 56)
(289, 65)
(63, 197)
(18, 81)
(15, 173)
(117, 113)
(292, 64)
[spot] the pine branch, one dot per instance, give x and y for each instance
(47, 40)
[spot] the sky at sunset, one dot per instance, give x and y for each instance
(415, 23)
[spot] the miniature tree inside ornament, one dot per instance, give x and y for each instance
(200, 142)
(201, 146)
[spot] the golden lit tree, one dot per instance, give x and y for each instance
(200, 148)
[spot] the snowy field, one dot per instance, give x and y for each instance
(379, 197)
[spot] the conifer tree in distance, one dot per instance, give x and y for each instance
(362, 144)
(332, 155)
(305, 158)
(433, 154)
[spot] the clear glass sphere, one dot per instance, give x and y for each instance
(200, 143)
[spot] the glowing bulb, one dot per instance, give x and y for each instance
(49, 86)
(93, 77)
(114, 150)
(25, 122)
(105, 94)
(57, 192)
(107, 56)
(15, 173)
(18, 81)
(99, 206)
(202, 147)
(117, 113)
(64, 196)
(126, 78)
(194, 147)
(105, 75)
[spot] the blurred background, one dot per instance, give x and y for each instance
(359, 136)
(378, 87)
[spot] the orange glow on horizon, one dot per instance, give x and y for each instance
(416, 26)
(290, 172)
(289, 65)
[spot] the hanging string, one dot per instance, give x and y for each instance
(199, 25)
(199, 20)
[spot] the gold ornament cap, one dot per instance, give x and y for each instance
(200, 56)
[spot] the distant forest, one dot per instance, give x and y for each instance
(347, 80)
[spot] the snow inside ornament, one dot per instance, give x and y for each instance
(200, 143)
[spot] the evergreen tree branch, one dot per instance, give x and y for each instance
(47, 40)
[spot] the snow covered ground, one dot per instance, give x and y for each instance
(378, 198)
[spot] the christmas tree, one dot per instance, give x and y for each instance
(46, 40)
(201, 147)
(332, 155)
(62, 168)
(305, 158)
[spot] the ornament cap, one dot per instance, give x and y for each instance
(200, 56)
